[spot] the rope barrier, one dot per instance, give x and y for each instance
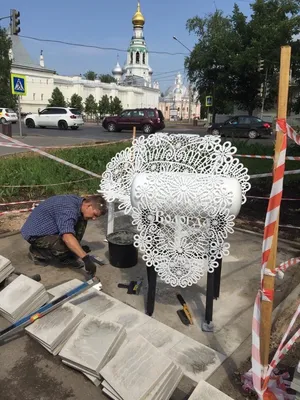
(47, 184)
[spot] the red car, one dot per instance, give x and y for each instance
(148, 120)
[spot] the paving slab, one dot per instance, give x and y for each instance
(160, 335)
(93, 344)
(93, 379)
(4, 262)
(126, 316)
(196, 360)
(95, 303)
(21, 297)
(136, 369)
(6, 268)
(109, 390)
(62, 289)
(110, 394)
(54, 328)
(205, 391)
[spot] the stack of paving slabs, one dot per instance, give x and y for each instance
(22, 297)
(6, 268)
(139, 371)
(93, 345)
(54, 329)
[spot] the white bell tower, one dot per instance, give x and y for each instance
(137, 63)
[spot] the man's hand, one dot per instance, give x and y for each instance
(90, 263)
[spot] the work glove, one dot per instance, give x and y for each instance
(90, 262)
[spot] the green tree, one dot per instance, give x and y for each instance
(116, 106)
(294, 90)
(76, 102)
(273, 23)
(90, 75)
(106, 78)
(57, 99)
(209, 63)
(6, 97)
(90, 105)
(104, 105)
(224, 62)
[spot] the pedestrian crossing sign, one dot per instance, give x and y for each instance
(209, 101)
(18, 84)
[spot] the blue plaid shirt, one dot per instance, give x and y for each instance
(55, 216)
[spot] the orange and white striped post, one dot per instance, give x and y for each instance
(272, 218)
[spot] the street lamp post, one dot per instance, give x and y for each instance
(190, 86)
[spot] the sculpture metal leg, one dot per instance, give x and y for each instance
(208, 326)
(110, 217)
(152, 278)
(212, 292)
(217, 279)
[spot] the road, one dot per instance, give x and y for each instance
(94, 132)
(90, 133)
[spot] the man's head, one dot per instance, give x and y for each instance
(93, 207)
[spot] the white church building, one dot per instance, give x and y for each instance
(134, 85)
(179, 103)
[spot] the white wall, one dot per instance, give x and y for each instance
(41, 84)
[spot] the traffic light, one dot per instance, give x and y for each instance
(267, 90)
(15, 22)
(261, 90)
(261, 65)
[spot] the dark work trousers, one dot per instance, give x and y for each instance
(52, 246)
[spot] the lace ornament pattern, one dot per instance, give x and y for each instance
(182, 208)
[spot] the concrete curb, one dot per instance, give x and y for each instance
(6, 235)
(292, 245)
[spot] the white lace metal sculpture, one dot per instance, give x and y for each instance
(183, 193)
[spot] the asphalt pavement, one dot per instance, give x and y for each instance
(90, 133)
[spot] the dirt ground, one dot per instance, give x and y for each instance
(233, 387)
(253, 213)
(12, 223)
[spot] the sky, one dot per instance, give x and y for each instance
(108, 24)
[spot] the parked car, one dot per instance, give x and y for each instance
(242, 126)
(8, 115)
(61, 117)
(148, 120)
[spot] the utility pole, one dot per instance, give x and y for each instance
(190, 102)
(263, 88)
(264, 94)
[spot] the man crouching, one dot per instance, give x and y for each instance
(56, 227)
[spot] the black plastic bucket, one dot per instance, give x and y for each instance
(122, 253)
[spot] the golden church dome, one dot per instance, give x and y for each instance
(138, 18)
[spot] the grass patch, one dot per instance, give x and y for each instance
(260, 166)
(32, 169)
